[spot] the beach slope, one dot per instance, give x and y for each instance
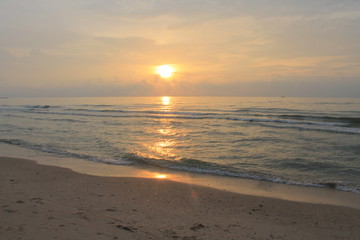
(45, 202)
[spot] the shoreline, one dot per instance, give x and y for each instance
(45, 202)
(306, 194)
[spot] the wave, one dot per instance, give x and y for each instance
(141, 112)
(99, 105)
(286, 121)
(341, 124)
(183, 164)
(48, 149)
(94, 110)
(191, 115)
(284, 118)
(310, 117)
(280, 123)
(349, 120)
(60, 120)
(123, 116)
(272, 110)
(12, 109)
(337, 103)
(26, 107)
(334, 129)
(37, 106)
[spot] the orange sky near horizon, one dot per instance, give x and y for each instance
(107, 48)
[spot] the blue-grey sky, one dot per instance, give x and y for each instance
(218, 47)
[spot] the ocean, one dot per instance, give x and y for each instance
(299, 141)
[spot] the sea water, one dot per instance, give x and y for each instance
(302, 141)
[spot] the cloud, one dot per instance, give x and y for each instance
(298, 87)
(224, 44)
(210, 9)
(36, 24)
(5, 56)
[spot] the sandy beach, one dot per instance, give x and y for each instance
(46, 202)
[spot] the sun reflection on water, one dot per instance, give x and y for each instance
(163, 147)
(165, 100)
(161, 176)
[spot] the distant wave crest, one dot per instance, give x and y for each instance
(271, 117)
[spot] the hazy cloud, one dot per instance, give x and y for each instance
(228, 47)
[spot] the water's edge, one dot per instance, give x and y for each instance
(307, 194)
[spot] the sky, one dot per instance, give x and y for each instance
(91, 48)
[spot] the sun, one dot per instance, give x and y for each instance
(165, 71)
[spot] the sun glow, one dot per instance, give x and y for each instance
(165, 71)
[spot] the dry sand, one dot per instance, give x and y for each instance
(45, 202)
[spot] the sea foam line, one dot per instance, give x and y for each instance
(182, 165)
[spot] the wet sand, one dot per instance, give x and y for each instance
(47, 202)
